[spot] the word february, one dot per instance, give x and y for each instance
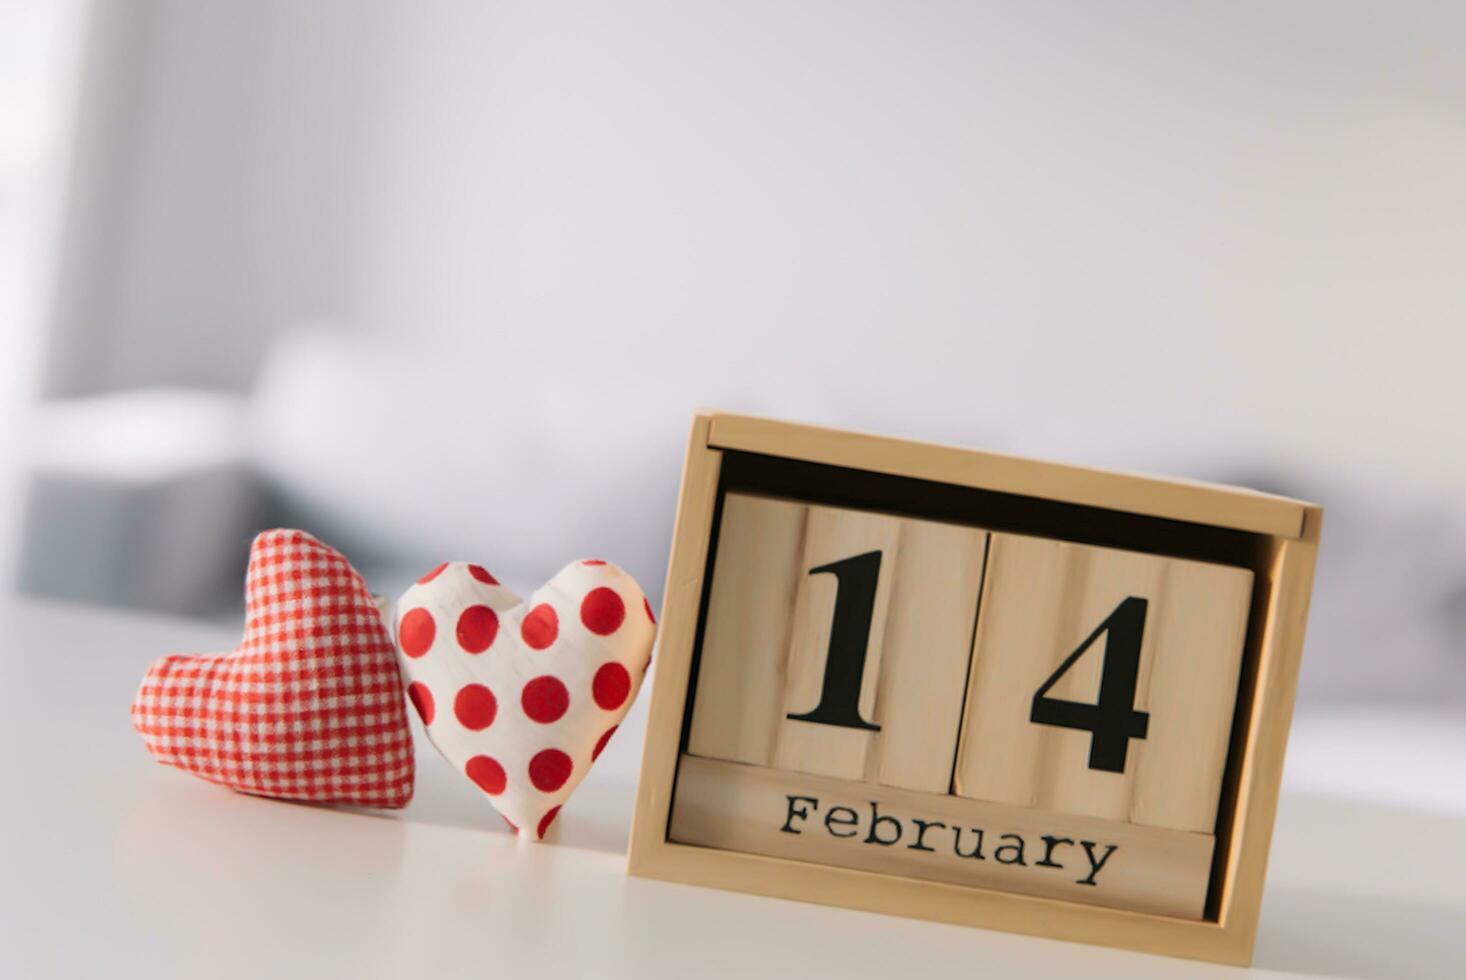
(871, 827)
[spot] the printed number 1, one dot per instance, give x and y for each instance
(1112, 720)
(855, 603)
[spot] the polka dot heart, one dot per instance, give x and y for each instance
(521, 697)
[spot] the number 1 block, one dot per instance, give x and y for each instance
(837, 642)
(1103, 683)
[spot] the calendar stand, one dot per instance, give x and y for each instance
(973, 688)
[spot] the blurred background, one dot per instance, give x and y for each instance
(447, 280)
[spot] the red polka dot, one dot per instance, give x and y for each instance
(549, 769)
(601, 742)
(482, 574)
(602, 611)
(422, 700)
(647, 605)
(545, 699)
(475, 706)
(477, 627)
(546, 820)
(594, 561)
(512, 828)
(611, 685)
(416, 632)
(432, 575)
(487, 773)
(540, 627)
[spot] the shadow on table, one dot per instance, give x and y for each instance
(1340, 935)
(597, 817)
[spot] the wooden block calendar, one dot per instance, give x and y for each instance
(973, 688)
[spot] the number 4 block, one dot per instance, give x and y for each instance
(1103, 683)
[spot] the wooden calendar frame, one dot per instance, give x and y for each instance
(1281, 536)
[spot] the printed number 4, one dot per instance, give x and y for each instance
(1112, 720)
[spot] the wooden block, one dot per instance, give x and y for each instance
(937, 577)
(1136, 727)
(937, 837)
(837, 642)
(740, 701)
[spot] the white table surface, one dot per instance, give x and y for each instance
(114, 866)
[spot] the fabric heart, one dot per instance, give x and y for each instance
(522, 697)
(309, 705)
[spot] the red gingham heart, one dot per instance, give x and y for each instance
(309, 706)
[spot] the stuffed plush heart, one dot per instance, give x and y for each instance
(309, 706)
(522, 696)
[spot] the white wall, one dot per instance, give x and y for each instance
(1207, 239)
(1065, 227)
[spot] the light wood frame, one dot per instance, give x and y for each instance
(1289, 533)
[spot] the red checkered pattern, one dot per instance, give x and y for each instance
(309, 706)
